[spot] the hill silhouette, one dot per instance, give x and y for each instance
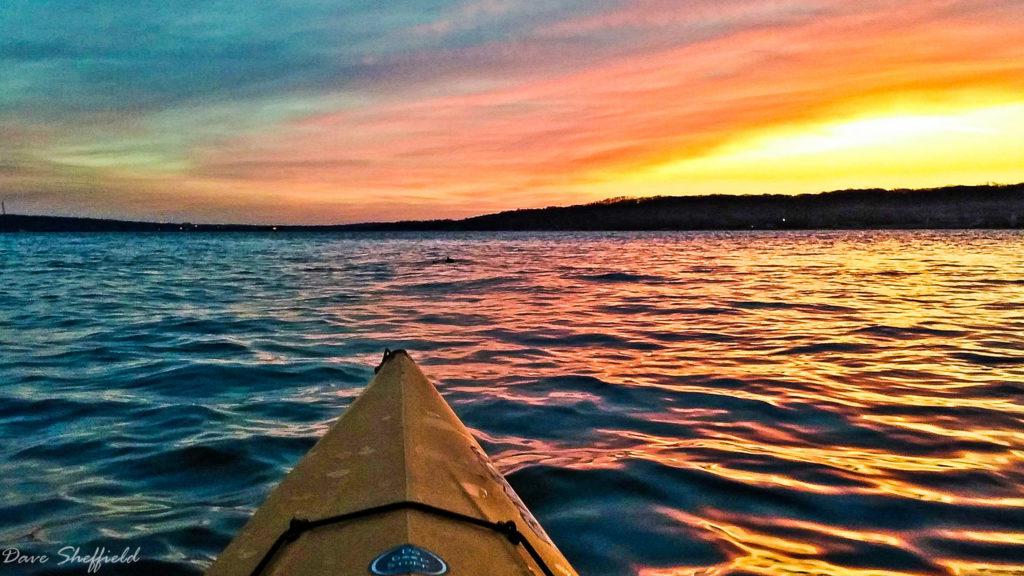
(989, 206)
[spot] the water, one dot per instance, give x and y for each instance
(667, 404)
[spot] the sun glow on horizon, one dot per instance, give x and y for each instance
(915, 149)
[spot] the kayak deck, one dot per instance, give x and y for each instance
(401, 447)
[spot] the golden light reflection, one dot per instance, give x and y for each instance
(1001, 437)
(758, 552)
(966, 568)
(872, 468)
(1014, 538)
(824, 367)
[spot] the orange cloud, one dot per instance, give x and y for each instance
(652, 96)
(545, 141)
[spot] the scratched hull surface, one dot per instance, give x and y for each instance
(715, 403)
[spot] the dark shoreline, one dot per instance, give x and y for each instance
(953, 207)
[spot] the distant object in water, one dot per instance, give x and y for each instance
(445, 260)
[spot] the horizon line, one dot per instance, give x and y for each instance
(606, 201)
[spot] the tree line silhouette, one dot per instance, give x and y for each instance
(987, 206)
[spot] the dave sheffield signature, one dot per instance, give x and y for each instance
(71, 555)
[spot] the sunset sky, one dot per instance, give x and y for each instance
(321, 111)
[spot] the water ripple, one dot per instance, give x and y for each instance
(715, 403)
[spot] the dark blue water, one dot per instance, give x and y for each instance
(667, 404)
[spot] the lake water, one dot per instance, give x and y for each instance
(669, 403)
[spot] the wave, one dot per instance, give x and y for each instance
(748, 403)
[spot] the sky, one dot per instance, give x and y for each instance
(330, 111)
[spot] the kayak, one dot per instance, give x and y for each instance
(397, 485)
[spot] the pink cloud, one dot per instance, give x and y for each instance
(529, 142)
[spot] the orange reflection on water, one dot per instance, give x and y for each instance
(757, 551)
(751, 388)
(964, 568)
(873, 467)
(1016, 538)
(1006, 438)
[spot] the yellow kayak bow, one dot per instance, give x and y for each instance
(397, 486)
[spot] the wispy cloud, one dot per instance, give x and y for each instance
(312, 107)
